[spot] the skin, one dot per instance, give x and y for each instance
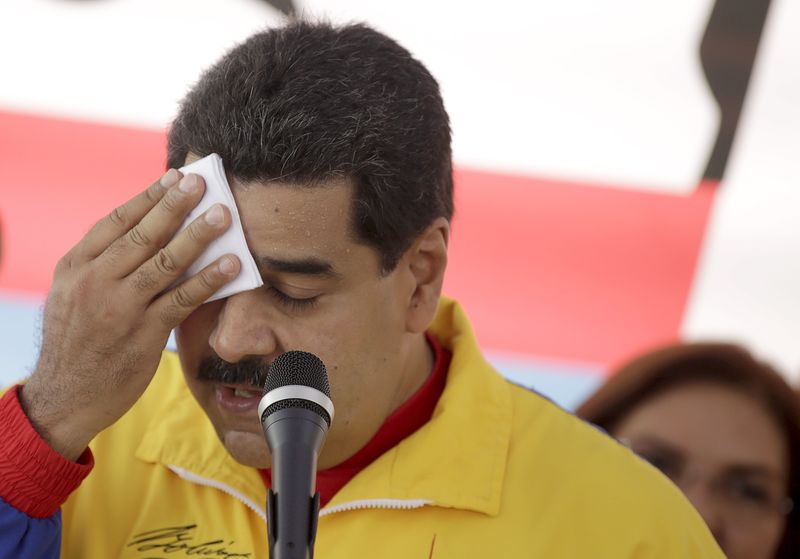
(698, 432)
(366, 326)
(110, 312)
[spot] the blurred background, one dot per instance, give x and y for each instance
(626, 172)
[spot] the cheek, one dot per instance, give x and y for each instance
(359, 363)
(357, 342)
(757, 542)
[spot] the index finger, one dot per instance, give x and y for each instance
(123, 218)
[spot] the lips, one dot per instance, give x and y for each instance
(237, 398)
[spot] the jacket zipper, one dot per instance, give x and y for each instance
(343, 507)
(199, 480)
(376, 504)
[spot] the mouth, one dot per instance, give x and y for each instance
(238, 398)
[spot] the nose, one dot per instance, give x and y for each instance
(705, 502)
(243, 329)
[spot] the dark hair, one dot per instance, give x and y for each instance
(728, 364)
(310, 102)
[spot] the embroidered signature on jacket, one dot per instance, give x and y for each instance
(181, 538)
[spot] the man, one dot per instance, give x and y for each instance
(337, 147)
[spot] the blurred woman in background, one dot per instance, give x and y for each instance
(725, 428)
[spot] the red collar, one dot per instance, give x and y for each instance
(406, 419)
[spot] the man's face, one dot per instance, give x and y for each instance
(323, 293)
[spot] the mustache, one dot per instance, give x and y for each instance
(252, 371)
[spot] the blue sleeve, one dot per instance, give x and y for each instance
(23, 537)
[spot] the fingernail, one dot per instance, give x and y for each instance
(170, 178)
(189, 184)
(227, 266)
(215, 216)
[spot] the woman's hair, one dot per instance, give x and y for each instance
(727, 364)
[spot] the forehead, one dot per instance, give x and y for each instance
(290, 220)
(709, 422)
(295, 221)
(295, 210)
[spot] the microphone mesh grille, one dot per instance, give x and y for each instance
(298, 367)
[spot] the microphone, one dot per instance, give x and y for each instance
(296, 412)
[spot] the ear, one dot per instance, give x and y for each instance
(426, 261)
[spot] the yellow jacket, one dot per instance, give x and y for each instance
(497, 472)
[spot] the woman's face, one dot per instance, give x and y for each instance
(726, 453)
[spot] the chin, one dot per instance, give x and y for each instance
(249, 449)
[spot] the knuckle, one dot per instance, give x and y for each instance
(153, 193)
(165, 263)
(196, 233)
(207, 280)
(181, 298)
(118, 217)
(169, 203)
(118, 248)
(139, 237)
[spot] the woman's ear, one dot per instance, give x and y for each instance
(426, 260)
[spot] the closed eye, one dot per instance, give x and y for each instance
(292, 303)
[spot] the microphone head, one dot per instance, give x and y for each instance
(289, 379)
(298, 368)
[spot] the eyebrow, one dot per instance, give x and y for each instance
(304, 266)
(650, 443)
(756, 470)
(654, 442)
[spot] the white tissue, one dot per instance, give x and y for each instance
(232, 241)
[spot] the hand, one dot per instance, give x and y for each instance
(112, 306)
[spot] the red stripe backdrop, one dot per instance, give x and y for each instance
(545, 268)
